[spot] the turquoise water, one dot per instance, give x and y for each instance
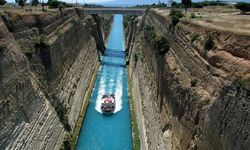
(113, 132)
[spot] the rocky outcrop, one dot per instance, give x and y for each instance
(190, 97)
(47, 61)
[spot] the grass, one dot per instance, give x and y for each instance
(135, 129)
(74, 136)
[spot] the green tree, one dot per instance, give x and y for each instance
(2, 2)
(187, 4)
(21, 2)
(54, 3)
(175, 20)
(244, 7)
(49, 1)
(34, 2)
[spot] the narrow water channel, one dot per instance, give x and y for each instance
(113, 132)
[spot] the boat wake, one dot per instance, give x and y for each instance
(117, 92)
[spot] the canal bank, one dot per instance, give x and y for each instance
(75, 134)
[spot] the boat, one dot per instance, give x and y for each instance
(108, 104)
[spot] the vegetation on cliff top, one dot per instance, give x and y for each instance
(157, 40)
(244, 7)
(2, 2)
(175, 17)
(56, 4)
(21, 2)
(209, 43)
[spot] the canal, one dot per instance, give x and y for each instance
(113, 132)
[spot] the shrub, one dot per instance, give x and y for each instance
(150, 32)
(192, 15)
(158, 41)
(175, 20)
(161, 44)
(193, 82)
(244, 7)
(56, 4)
(41, 41)
(176, 13)
(195, 36)
(209, 43)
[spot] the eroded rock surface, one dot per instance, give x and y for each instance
(46, 63)
(189, 97)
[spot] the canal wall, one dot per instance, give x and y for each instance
(47, 63)
(187, 97)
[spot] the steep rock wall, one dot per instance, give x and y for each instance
(173, 113)
(47, 61)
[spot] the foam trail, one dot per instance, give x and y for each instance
(118, 94)
(101, 91)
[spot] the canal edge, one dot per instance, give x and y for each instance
(133, 121)
(75, 135)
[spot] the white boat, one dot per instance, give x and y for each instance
(108, 104)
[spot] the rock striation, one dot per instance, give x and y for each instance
(188, 97)
(46, 63)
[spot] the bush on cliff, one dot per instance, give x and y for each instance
(175, 20)
(193, 82)
(56, 4)
(176, 13)
(175, 17)
(149, 32)
(244, 7)
(41, 41)
(161, 44)
(157, 40)
(209, 43)
(195, 36)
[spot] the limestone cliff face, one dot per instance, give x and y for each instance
(172, 113)
(46, 63)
